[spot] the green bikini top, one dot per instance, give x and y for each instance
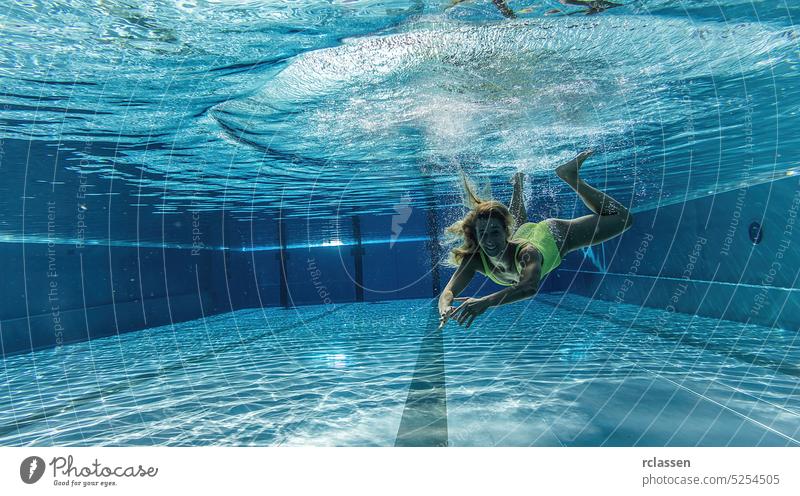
(537, 234)
(489, 273)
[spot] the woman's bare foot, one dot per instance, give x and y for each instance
(569, 171)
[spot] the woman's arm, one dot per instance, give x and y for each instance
(460, 279)
(528, 285)
(517, 205)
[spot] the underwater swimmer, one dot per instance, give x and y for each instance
(522, 260)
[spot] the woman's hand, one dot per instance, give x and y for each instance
(446, 308)
(469, 309)
(444, 315)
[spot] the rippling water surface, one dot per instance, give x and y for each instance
(556, 371)
(249, 106)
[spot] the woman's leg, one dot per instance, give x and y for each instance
(517, 205)
(610, 217)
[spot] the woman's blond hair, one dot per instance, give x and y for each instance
(464, 229)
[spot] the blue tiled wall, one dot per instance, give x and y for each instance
(63, 294)
(693, 257)
(697, 257)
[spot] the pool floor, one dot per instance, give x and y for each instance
(558, 370)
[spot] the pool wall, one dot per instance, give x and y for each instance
(96, 291)
(697, 257)
(61, 281)
(404, 267)
(694, 256)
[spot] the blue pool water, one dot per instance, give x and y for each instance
(561, 370)
(299, 109)
(167, 168)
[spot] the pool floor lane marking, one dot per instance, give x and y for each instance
(424, 420)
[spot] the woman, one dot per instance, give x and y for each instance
(522, 260)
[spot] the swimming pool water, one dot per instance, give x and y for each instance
(311, 110)
(279, 126)
(561, 370)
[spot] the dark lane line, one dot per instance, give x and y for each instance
(424, 420)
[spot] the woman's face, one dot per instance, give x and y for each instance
(491, 236)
